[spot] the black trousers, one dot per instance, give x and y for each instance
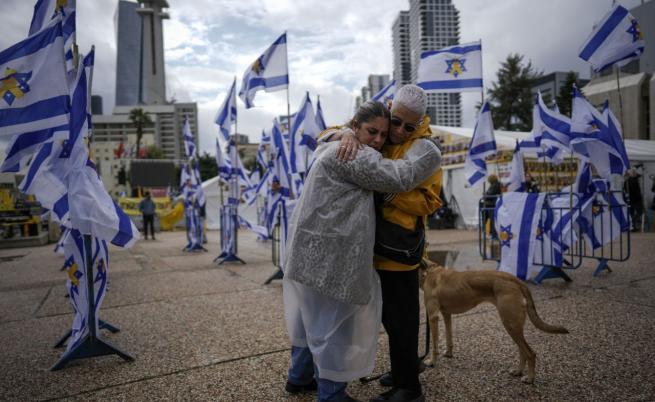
(400, 317)
(149, 220)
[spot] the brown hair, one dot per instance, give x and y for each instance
(368, 111)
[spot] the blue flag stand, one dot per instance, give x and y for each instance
(101, 324)
(91, 345)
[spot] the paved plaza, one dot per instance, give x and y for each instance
(200, 331)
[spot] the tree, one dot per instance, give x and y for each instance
(207, 166)
(153, 152)
(565, 96)
(140, 119)
(510, 98)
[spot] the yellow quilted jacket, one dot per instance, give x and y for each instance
(405, 208)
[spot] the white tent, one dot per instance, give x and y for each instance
(467, 198)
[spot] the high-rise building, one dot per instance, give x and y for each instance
(433, 24)
(551, 84)
(376, 82)
(402, 63)
(140, 75)
(127, 24)
(153, 78)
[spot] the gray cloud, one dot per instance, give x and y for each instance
(332, 45)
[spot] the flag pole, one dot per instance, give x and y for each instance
(618, 88)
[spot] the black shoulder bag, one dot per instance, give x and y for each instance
(397, 243)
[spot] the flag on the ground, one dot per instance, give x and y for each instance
(227, 114)
(320, 121)
(189, 141)
(269, 72)
(75, 264)
(386, 93)
(517, 218)
(451, 69)
(34, 95)
(517, 174)
(616, 39)
(45, 11)
(482, 144)
(302, 141)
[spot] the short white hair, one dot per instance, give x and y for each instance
(413, 98)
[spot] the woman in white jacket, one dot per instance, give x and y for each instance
(332, 295)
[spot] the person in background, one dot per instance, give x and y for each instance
(490, 198)
(632, 186)
(530, 185)
(147, 207)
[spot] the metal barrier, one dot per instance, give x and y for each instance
(571, 227)
(275, 253)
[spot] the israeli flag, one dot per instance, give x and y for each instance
(552, 131)
(227, 114)
(262, 157)
(617, 39)
(482, 144)
(200, 192)
(320, 121)
(269, 72)
(517, 174)
(260, 231)
(517, 218)
(281, 163)
(45, 11)
(451, 69)
(609, 213)
(224, 168)
(302, 141)
(189, 141)
(92, 210)
(386, 93)
(34, 93)
(596, 139)
(48, 175)
(75, 266)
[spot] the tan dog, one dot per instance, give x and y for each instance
(451, 292)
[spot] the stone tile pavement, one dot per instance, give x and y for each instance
(200, 331)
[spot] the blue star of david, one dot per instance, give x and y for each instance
(506, 235)
(634, 30)
(455, 67)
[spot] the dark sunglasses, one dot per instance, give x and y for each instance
(396, 122)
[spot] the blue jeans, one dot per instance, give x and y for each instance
(302, 371)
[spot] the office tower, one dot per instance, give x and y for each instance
(376, 82)
(153, 79)
(127, 24)
(402, 64)
(434, 24)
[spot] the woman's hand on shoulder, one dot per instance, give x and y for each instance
(349, 145)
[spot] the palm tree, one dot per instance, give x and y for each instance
(140, 119)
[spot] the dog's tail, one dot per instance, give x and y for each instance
(534, 317)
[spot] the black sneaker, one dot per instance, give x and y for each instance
(387, 380)
(399, 395)
(296, 389)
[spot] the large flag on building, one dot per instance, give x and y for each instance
(451, 69)
(35, 98)
(227, 114)
(386, 93)
(45, 11)
(269, 72)
(616, 39)
(517, 218)
(302, 141)
(482, 144)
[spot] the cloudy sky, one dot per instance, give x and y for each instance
(332, 45)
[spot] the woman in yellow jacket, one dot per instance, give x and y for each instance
(400, 242)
